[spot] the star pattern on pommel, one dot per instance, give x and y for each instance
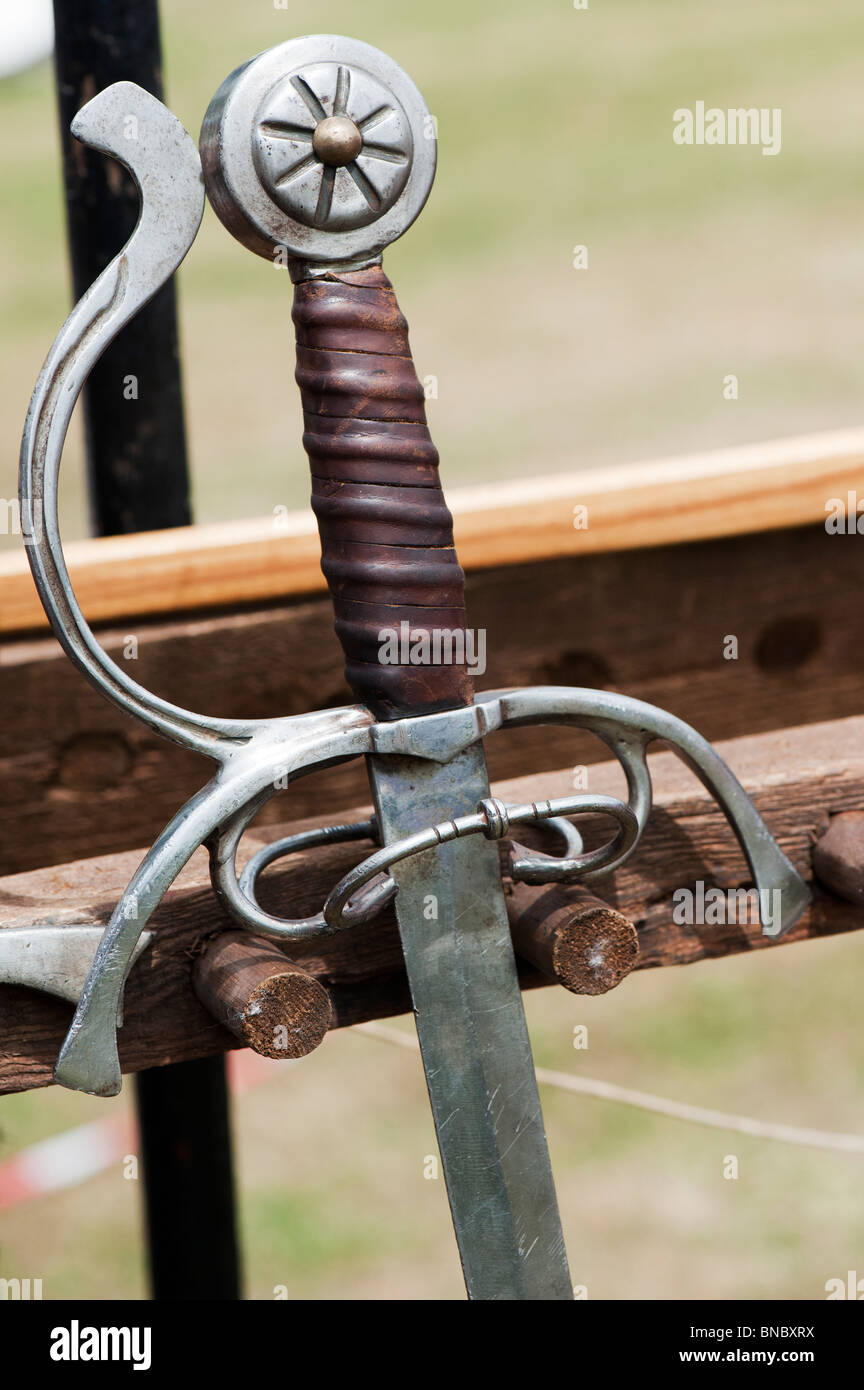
(332, 146)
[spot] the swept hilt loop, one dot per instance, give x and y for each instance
(492, 819)
(366, 889)
(133, 127)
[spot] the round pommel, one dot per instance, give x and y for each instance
(321, 148)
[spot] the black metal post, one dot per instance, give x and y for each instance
(138, 481)
(186, 1153)
(133, 403)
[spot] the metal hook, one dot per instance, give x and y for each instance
(164, 163)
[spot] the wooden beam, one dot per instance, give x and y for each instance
(798, 778)
(78, 778)
(756, 487)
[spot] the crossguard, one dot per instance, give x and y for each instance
(257, 758)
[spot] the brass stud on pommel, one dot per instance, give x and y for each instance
(320, 151)
(337, 141)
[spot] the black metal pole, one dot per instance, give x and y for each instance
(138, 481)
(186, 1154)
(133, 403)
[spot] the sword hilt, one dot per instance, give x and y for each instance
(321, 152)
(386, 532)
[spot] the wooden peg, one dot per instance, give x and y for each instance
(578, 940)
(838, 857)
(268, 1002)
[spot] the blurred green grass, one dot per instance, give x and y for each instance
(555, 129)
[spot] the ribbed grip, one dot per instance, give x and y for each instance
(386, 532)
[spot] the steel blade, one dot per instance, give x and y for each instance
(473, 1037)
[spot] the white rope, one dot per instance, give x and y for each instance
(676, 1110)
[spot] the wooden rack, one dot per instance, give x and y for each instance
(677, 559)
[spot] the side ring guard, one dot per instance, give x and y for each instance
(258, 757)
(367, 902)
(355, 899)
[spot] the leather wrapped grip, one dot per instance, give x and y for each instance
(387, 548)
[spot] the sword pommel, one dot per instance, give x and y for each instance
(320, 151)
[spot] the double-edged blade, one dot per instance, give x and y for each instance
(473, 1037)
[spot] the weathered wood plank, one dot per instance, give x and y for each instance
(756, 487)
(77, 778)
(798, 778)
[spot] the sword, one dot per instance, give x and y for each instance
(316, 155)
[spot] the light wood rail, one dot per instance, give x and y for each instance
(736, 491)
